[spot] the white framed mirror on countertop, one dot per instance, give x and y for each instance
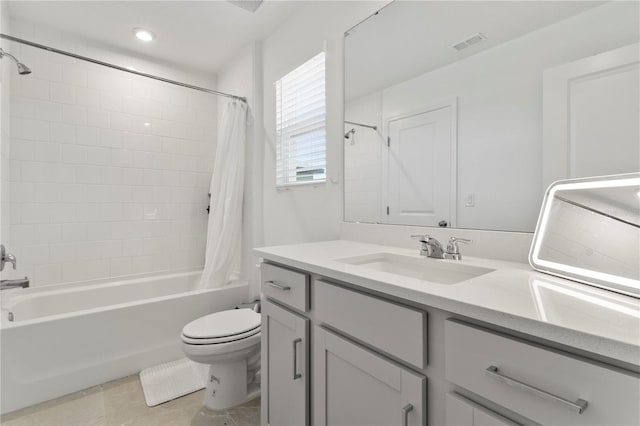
(589, 231)
(451, 108)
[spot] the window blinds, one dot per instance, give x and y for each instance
(300, 124)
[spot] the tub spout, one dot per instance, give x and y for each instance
(19, 283)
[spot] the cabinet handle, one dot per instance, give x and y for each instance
(278, 286)
(579, 406)
(405, 414)
(296, 375)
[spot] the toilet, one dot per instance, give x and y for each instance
(229, 342)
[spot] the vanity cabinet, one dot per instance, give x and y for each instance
(355, 386)
(336, 354)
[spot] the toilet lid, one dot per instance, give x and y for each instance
(223, 324)
(221, 340)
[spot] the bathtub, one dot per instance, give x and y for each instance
(68, 337)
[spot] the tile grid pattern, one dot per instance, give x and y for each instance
(109, 172)
(121, 402)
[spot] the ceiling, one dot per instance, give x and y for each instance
(200, 35)
(409, 38)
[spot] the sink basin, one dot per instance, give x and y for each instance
(433, 270)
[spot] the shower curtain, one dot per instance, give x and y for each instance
(224, 232)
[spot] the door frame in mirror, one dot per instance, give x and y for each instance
(558, 142)
(449, 102)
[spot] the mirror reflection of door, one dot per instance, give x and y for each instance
(592, 116)
(420, 168)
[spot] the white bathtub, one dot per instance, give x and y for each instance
(68, 337)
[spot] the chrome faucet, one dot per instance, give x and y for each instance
(19, 283)
(453, 251)
(6, 258)
(432, 247)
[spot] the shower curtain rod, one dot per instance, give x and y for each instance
(117, 67)
(362, 125)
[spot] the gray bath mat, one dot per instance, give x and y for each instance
(172, 380)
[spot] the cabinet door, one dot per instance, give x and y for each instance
(285, 367)
(462, 412)
(354, 386)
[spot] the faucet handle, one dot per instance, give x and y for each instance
(453, 248)
(6, 258)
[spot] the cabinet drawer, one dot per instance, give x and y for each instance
(543, 385)
(395, 329)
(460, 411)
(286, 286)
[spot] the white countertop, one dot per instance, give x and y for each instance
(513, 296)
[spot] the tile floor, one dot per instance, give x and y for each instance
(121, 402)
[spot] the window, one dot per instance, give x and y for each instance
(300, 125)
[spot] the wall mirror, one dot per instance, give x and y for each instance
(462, 113)
(589, 231)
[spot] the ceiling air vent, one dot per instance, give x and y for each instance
(469, 41)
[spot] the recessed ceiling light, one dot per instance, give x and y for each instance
(147, 124)
(144, 35)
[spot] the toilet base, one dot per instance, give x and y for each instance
(227, 386)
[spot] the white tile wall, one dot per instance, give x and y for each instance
(5, 67)
(109, 172)
(581, 238)
(362, 160)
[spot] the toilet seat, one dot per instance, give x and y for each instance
(198, 351)
(222, 324)
(219, 340)
(222, 327)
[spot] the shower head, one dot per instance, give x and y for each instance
(349, 133)
(22, 68)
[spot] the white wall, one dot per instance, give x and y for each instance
(94, 192)
(362, 160)
(5, 68)
(308, 213)
(242, 76)
(500, 113)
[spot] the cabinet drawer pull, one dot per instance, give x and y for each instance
(278, 286)
(296, 375)
(579, 406)
(405, 414)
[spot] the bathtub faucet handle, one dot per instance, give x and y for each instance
(6, 258)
